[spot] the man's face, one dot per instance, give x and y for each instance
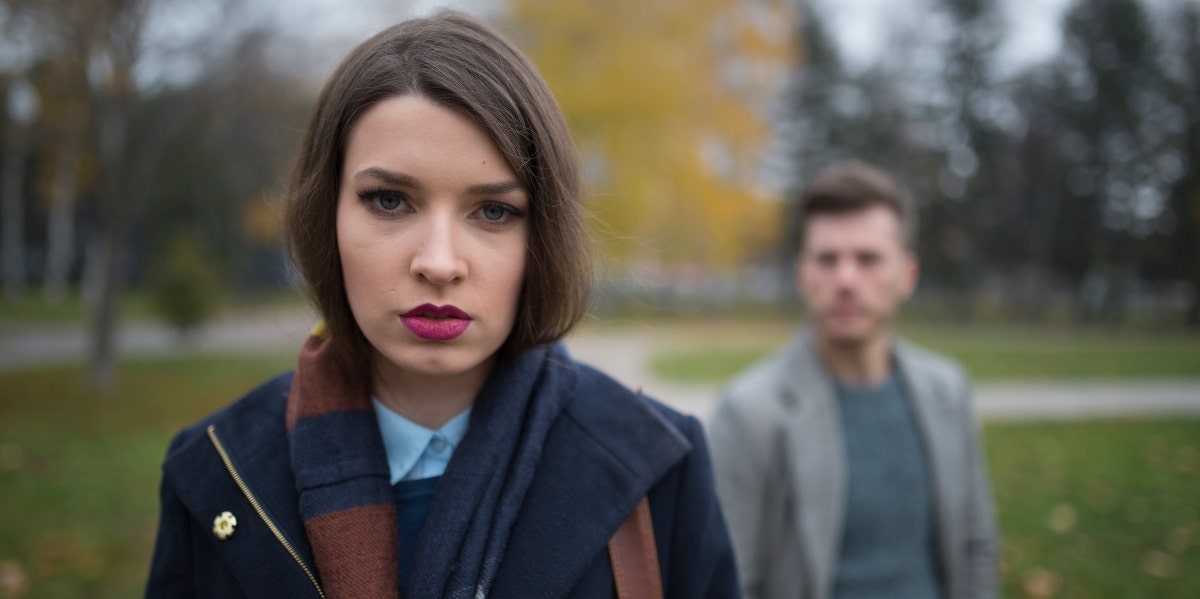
(853, 273)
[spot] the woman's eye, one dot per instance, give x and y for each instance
(384, 200)
(389, 202)
(494, 212)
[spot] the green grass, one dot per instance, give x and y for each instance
(79, 470)
(34, 310)
(1098, 509)
(137, 305)
(37, 311)
(1088, 509)
(989, 352)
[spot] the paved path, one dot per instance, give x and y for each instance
(627, 357)
(625, 354)
(24, 346)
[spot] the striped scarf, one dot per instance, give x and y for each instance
(346, 499)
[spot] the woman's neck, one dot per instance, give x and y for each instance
(430, 401)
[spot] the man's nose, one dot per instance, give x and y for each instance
(845, 272)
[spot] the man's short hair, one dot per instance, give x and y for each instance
(854, 186)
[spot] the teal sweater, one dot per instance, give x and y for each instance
(888, 547)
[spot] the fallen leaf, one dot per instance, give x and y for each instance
(1159, 564)
(13, 579)
(1041, 583)
(1062, 518)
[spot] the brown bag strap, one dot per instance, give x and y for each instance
(635, 557)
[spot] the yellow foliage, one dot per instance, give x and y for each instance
(666, 99)
(262, 219)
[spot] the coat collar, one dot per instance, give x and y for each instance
(605, 452)
(939, 420)
(815, 453)
(815, 458)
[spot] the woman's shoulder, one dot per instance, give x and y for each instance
(614, 412)
(256, 414)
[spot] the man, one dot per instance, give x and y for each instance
(848, 463)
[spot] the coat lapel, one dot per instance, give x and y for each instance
(816, 459)
(601, 457)
(935, 415)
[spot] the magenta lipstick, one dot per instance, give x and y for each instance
(436, 323)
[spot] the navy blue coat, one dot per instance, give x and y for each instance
(607, 449)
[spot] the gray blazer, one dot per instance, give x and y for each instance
(780, 468)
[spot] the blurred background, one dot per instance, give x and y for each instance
(1053, 147)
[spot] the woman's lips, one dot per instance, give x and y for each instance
(436, 323)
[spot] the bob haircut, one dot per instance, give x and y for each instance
(463, 65)
(855, 186)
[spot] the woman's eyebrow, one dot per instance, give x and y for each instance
(495, 188)
(389, 177)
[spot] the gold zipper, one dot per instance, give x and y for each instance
(237, 478)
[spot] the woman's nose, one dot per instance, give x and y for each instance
(439, 258)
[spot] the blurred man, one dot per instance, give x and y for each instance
(848, 463)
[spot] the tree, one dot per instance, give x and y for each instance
(62, 163)
(221, 174)
(971, 186)
(184, 284)
(1183, 211)
(96, 51)
(1110, 93)
(667, 99)
(110, 33)
(20, 107)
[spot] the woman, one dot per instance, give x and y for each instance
(435, 439)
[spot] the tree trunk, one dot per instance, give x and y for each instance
(103, 313)
(1193, 311)
(113, 225)
(12, 184)
(89, 282)
(60, 234)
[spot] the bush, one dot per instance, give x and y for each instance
(184, 287)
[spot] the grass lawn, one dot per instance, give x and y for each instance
(1088, 509)
(1099, 508)
(989, 352)
(79, 471)
(135, 305)
(34, 310)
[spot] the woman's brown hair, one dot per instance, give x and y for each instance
(457, 62)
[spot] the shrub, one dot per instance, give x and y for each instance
(184, 287)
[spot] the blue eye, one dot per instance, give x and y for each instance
(384, 200)
(494, 212)
(389, 202)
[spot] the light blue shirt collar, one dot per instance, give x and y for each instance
(414, 451)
